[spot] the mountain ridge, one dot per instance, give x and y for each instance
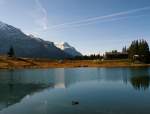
(27, 46)
(68, 49)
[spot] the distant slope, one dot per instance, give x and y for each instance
(68, 49)
(27, 46)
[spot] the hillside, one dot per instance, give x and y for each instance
(27, 46)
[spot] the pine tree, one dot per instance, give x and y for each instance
(11, 52)
(124, 49)
(140, 48)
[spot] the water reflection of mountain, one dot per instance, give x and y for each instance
(16, 84)
(13, 93)
(14, 87)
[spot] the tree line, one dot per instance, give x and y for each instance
(137, 51)
(88, 57)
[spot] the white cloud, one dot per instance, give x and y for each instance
(40, 15)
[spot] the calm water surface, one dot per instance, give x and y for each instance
(98, 91)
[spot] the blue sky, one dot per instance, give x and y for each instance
(92, 26)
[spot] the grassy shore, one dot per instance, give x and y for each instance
(19, 63)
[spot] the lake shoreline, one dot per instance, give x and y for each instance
(26, 63)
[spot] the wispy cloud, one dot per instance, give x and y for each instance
(110, 17)
(40, 15)
(100, 21)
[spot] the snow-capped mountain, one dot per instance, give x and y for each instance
(27, 45)
(68, 49)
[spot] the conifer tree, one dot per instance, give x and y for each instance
(11, 52)
(140, 48)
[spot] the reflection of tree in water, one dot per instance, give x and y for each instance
(140, 82)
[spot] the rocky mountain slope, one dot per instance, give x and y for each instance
(27, 46)
(68, 49)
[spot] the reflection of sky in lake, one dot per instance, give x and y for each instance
(51, 91)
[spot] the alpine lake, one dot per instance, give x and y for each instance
(75, 91)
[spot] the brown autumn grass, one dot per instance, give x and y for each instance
(18, 63)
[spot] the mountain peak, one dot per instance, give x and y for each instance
(7, 27)
(66, 45)
(27, 45)
(63, 45)
(2, 25)
(68, 49)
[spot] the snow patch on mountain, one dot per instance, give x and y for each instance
(68, 49)
(27, 45)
